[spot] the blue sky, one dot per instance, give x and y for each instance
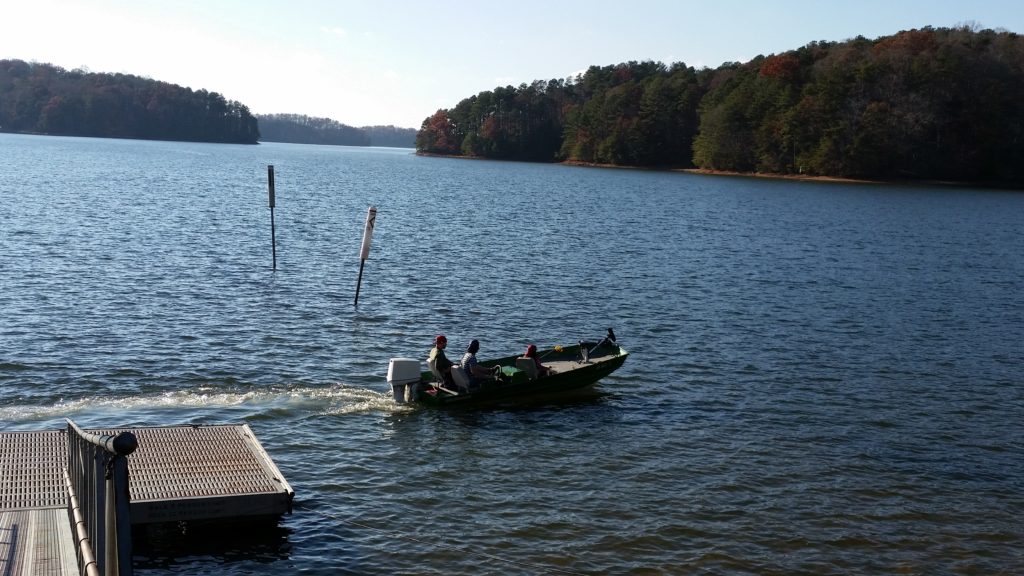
(396, 62)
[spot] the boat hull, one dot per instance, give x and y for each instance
(572, 374)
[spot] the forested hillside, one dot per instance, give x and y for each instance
(391, 136)
(300, 129)
(47, 99)
(921, 104)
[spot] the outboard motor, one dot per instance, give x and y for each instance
(403, 376)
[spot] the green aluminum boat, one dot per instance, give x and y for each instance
(572, 368)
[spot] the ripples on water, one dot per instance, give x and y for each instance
(824, 379)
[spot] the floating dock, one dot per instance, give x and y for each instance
(177, 473)
(183, 473)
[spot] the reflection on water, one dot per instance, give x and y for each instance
(183, 546)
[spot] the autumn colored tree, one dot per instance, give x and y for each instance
(437, 135)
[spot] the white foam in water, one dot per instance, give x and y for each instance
(336, 399)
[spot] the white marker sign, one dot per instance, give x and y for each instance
(371, 217)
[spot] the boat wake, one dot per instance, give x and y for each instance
(204, 406)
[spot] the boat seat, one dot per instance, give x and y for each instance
(460, 378)
(528, 366)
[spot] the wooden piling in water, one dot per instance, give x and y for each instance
(273, 239)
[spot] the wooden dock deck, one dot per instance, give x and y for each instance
(178, 473)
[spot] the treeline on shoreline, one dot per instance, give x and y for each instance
(40, 98)
(47, 99)
(301, 129)
(934, 103)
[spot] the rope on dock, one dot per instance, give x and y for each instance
(436, 544)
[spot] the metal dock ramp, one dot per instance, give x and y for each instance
(177, 473)
(35, 533)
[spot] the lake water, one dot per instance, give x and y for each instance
(824, 379)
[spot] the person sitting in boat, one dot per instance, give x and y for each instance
(477, 374)
(439, 359)
(531, 353)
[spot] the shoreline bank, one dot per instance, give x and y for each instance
(775, 176)
(765, 175)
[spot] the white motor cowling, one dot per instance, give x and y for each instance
(403, 374)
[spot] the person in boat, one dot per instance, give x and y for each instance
(477, 373)
(531, 353)
(440, 360)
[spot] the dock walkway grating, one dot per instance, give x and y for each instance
(32, 469)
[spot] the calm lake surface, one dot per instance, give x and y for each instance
(824, 379)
